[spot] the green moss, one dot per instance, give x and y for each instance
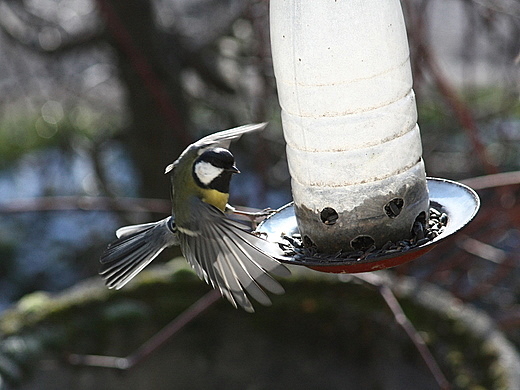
(88, 318)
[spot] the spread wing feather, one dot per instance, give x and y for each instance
(225, 137)
(222, 139)
(224, 254)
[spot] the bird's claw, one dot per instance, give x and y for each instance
(254, 216)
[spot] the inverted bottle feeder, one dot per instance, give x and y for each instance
(362, 201)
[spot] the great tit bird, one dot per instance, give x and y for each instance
(220, 250)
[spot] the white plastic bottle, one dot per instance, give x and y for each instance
(349, 117)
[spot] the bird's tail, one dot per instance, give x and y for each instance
(136, 246)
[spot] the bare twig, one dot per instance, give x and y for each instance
(492, 181)
(85, 203)
(461, 111)
(402, 320)
(23, 27)
(150, 346)
(482, 250)
(508, 7)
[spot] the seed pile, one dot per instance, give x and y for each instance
(422, 233)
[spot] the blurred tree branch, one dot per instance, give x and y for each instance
(24, 27)
(150, 62)
(86, 203)
(509, 7)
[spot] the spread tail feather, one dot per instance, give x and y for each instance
(135, 247)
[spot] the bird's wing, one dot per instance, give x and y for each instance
(221, 139)
(229, 258)
(225, 137)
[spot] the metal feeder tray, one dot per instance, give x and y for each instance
(459, 202)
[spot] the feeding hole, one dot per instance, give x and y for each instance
(421, 218)
(308, 243)
(328, 216)
(361, 243)
(394, 207)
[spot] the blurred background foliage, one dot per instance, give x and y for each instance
(98, 96)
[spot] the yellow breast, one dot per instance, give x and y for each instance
(215, 198)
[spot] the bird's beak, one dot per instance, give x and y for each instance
(233, 169)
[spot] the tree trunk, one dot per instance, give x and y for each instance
(151, 74)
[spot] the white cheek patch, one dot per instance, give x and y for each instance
(206, 172)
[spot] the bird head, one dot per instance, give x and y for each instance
(213, 169)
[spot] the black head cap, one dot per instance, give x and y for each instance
(218, 157)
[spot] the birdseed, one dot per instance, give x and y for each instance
(422, 233)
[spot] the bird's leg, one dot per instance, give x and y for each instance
(253, 216)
